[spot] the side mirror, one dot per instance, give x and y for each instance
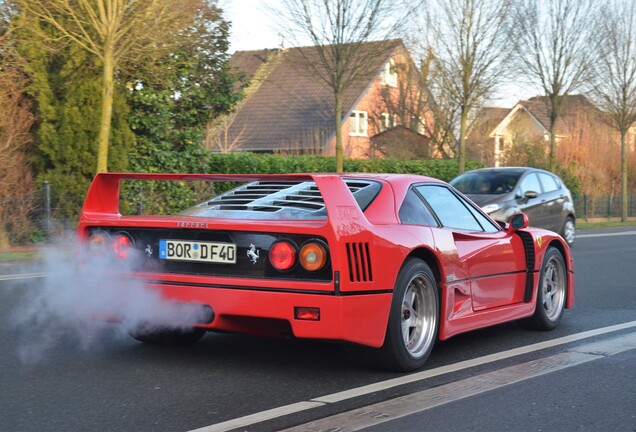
(518, 221)
(530, 195)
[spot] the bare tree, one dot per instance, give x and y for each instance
(115, 32)
(443, 111)
(420, 104)
(615, 85)
(338, 29)
(554, 43)
(217, 134)
(468, 41)
(16, 185)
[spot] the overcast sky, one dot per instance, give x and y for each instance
(251, 25)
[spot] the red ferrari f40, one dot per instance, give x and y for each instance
(386, 263)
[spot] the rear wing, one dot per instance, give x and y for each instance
(102, 199)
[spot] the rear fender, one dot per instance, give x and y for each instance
(354, 246)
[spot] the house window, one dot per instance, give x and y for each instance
(358, 123)
(388, 76)
(387, 121)
(417, 124)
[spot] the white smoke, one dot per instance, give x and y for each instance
(81, 296)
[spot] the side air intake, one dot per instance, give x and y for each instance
(359, 262)
(528, 245)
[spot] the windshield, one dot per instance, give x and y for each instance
(486, 182)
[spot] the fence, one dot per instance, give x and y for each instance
(603, 206)
(38, 216)
(586, 206)
(48, 212)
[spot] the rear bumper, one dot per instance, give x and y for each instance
(357, 318)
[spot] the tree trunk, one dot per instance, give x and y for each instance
(4, 238)
(339, 155)
(463, 126)
(107, 111)
(624, 175)
(552, 155)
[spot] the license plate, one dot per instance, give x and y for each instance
(185, 250)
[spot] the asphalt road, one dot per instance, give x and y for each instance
(63, 377)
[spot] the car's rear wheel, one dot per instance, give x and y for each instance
(413, 322)
(167, 336)
(569, 230)
(551, 293)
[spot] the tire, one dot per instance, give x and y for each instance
(551, 292)
(413, 322)
(168, 336)
(568, 232)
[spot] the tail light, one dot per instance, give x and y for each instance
(98, 243)
(101, 243)
(122, 244)
(282, 255)
(313, 256)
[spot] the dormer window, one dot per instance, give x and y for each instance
(388, 76)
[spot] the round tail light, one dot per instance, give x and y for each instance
(122, 245)
(313, 256)
(282, 255)
(97, 243)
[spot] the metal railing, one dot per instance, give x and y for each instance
(603, 206)
(48, 212)
(47, 215)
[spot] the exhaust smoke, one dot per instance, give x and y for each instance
(81, 295)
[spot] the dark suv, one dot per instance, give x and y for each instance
(541, 195)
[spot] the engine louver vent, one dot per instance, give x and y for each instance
(272, 196)
(359, 262)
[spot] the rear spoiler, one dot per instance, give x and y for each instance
(102, 199)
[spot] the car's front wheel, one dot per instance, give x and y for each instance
(167, 336)
(551, 293)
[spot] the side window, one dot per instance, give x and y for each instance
(450, 210)
(549, 183)
(414, 211)
(530, 183)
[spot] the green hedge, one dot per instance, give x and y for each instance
(169, 197)
(248, 163)
(255, 163)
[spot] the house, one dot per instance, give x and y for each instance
(529, 122)
(479, 145)
(400, 142)
(287, 108)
